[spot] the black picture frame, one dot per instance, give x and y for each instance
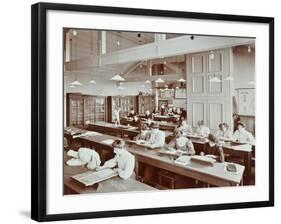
(39, 108)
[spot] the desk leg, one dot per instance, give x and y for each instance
(247, 161)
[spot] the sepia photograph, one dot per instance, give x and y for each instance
(150, 111)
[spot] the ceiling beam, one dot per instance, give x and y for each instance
(166, 48)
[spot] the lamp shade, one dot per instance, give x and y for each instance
(118, 78)
(181, 80)
(159, 80)
(76, 83)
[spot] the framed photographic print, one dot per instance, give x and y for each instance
(103, 145)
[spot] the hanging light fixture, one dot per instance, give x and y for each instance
(181, 80)
(159, 80)
(249, 49)
(215, 79)
(118, 76)
(76, 83)
(92, 81)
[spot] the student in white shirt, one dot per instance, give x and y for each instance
(123, 161)
(182, 143)
(224, 133)
(157, 137)
(185, 128)
(242, 135)
(144, 134)
(202, 130)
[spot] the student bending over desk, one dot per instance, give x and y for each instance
(202, 130)
(182, 143)
(123, 161)
(157, 137)
(144, 134)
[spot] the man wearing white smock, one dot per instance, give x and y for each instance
(123, 161)
(242, 135)
(116, 116)
(157, 137)
(202, 130)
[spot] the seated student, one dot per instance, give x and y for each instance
(185, 128)
(178, 111)
(183, 114)
(215, 147)
(224, 133)
(144, 134)
(182, 143)
(202, 130)
(174, 110)
(136, 122)
(148, 115)
(123, 161)
(157, 137)
(242, 135)
(132, 113)
(163, 109)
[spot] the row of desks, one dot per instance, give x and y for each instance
(114, 184)
(120, 130)
(200, 145)
(216, 175)
(163, 125)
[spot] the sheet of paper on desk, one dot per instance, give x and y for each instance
(107, 141)
(91, 134)
(183, 160)
(204, 160)
(72, 153)
(90, 178)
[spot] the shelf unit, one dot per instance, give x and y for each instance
(82, 109)
(123, 102)
(145, 103)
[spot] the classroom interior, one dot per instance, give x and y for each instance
(157, 111)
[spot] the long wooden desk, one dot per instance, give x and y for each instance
(165, 118)
(122, 130)
(216, 175)
(109, 128)
(200, 145)
(115, 184)
(241, 151)
(163, 125)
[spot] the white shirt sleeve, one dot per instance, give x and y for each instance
(110, 163)
(235, 136)
(159, 140)
(128, 170)
(251, 138)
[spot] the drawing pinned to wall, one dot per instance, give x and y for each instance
(246, 101)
